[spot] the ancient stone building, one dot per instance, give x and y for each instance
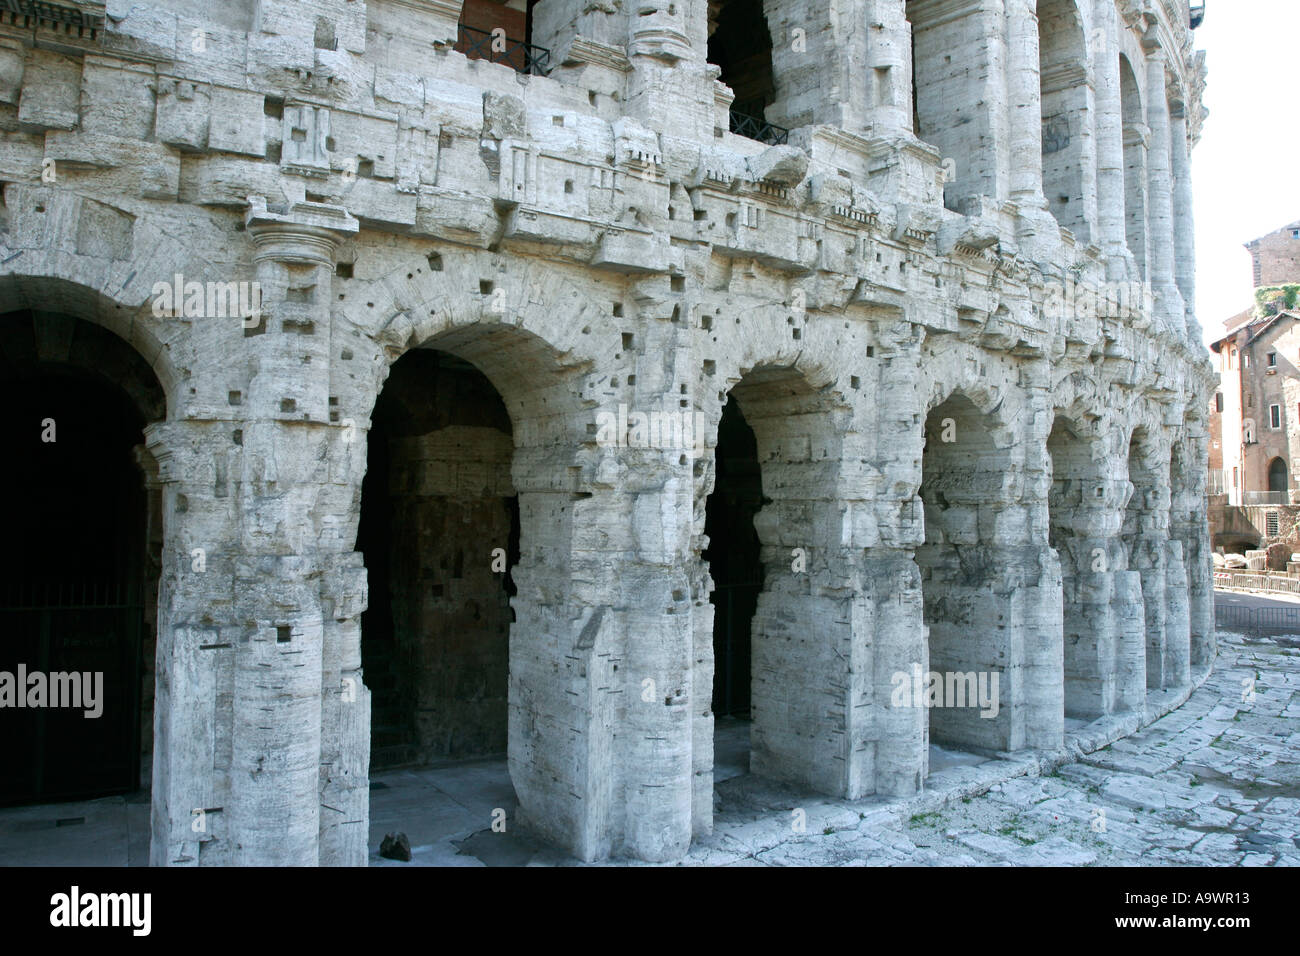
(429, 389)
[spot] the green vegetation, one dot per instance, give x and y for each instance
(1269, 300)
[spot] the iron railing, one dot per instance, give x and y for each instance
(751, 127)
(516, 54)
(1257, 620)
(1257, 581)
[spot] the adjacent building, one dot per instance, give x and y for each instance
(1257, 405)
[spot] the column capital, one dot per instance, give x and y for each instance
(300, 232)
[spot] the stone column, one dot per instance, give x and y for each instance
(1110, 144)
(1090, 630)
(197, 634)
(1160, 200)
(888, 63)
(973, 32)
(1189, 522)
(280, 666)
(1148, 539)
(900, 642)
(843, 63)
(1038, 232)
(1184, 224)
(1024, 103)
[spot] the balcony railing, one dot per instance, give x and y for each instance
(516, 54)
(751, 127)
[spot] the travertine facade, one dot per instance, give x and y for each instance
(970, 460)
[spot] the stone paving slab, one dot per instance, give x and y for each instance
(1215, 782)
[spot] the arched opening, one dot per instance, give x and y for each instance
(737, 572)
(740, 45)
(439, 529)
(962, 474)
(1145, 531)
(78, 580)
(1177, 671)
(774, 562)
(1278, 480)
(1135, 164)
(1077, 513)
(1068, 150)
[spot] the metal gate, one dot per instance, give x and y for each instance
(1262, 621)
(735, 604)
(90, 627)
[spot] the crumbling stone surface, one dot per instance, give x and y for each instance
(975, 421)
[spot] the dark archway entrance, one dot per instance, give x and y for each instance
(962, 471)
(439, 529)
(1277, 475)
(740, 45)
(78, 579)
(734, 565)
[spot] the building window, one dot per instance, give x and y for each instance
(1232, 358)
(1275, 417)
(1272, 360)
(1271, 524)
(1218, 401)
(1295, 233)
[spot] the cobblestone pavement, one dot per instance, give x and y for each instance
(1215, 782)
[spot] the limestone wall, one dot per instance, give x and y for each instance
(596, 238)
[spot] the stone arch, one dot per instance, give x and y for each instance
(1082, 526)
(50, 292)
(467, 462)
(1278, 479)
(1069, 149)
(990, 583)
(801, 731)
(1145, 536)
(86, 542)
(1136, 133)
